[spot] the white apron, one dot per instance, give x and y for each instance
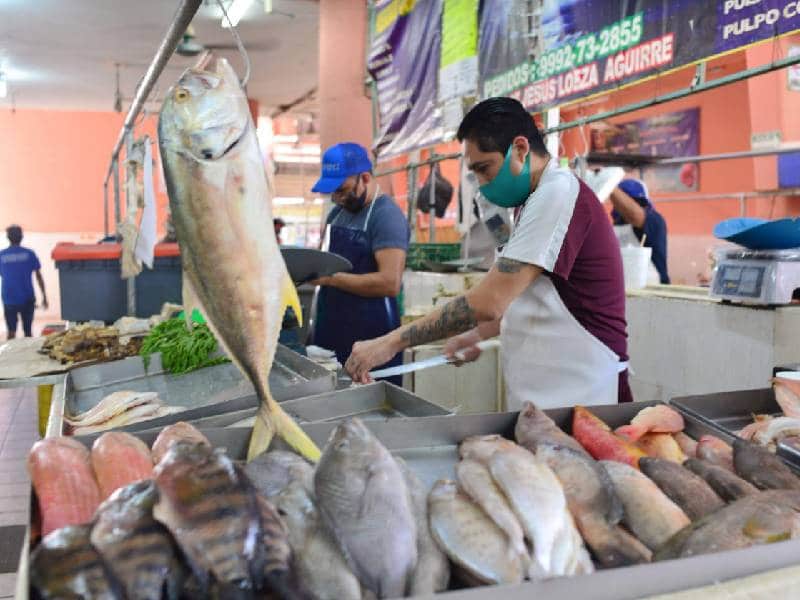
(549, 358)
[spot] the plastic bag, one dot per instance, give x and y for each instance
(442, 193)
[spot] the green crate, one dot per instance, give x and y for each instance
(419, 253)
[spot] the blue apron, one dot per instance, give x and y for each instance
(344, 318)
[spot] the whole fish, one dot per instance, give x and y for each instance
(220, 206)
(364, 501)
(787, 394)
(482, 447)
(687, 490)
(659, 418)
(273, 471)
(470, 538)
(762, 468)
(233, 540)
(713, 449)
(649, 514)
(538, 500)
(661, 445)
(135, 547)
(65, 565)
(594, 505)
(142, 412)
(727, 485)
(535, 427)
(319, 565)
(602, 443)
(119, 458)
(173, 433)
(112, 405)
(760, 518)
(62, 476)
(687, 444)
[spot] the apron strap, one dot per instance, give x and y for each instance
(371, 206)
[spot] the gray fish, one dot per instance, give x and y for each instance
(762, 468)
(727, 485)
(432, 573)
(137, 548)
(273, 471)
(364, 501)
(534, 427)
(687, 490)
(594, 505)
(232, 538)
(760, 518)
(65, 565)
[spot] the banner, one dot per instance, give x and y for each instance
(404, 62)
(588, 46)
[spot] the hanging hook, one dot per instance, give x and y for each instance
(239, 45)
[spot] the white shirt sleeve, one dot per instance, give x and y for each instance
(539, 234)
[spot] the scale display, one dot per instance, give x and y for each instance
(742, 281)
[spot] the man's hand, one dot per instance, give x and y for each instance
(326, 280)
(367, 355)
(464, 345)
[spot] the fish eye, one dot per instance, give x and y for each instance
(181, 94)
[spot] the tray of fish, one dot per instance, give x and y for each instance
(570, 503)
(378, 400)
(127, 396)
(769, 417)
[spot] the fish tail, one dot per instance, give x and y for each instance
(272, 420)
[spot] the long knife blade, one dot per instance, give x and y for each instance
(418, 365)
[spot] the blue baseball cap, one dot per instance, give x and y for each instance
(340, 162)
(635, 188)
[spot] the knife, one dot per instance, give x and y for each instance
(434, 361)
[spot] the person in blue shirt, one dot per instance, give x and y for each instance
(17, 265)
(370, 230)
(632, 206)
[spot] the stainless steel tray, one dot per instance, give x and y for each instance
(728, 412)
(429, 445)
(211, 391)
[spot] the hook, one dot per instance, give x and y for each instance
(239, 45)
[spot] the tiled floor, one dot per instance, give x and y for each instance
(18, 432)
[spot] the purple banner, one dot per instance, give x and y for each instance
(742, 22)
(404, 62)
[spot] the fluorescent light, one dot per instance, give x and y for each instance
(287, 200)
(267, 6)
(236, 10)
(3, 86)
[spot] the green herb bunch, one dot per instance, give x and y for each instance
(182, 349)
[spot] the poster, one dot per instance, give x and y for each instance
(793, 72)
(404, 62)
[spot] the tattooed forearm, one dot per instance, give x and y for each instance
(508, 265)
(456, 317)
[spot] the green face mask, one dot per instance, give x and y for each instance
(506, 189)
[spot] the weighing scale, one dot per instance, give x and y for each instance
(760, 277)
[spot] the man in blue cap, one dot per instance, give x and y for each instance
(633, 207)
(369, 229)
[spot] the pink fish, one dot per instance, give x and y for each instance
(714, 450)
(118, 458)
(687, 444)
(787, 394)
(653, 419)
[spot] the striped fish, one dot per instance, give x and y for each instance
(137, 549)
(65, 565)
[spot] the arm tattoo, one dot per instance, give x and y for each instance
(456, 317)
(508, 265)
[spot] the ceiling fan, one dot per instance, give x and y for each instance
(190, 46)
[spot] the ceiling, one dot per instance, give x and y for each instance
(61, 54)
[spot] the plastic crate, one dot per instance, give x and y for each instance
(419, 253)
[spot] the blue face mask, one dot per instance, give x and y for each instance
(506, 189)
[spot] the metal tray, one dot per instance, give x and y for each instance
(728, 412)
(429, 446)
(211, 391)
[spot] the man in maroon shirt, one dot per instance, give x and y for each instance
(556, 293)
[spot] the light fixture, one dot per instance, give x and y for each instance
(235, 10)
(267, 6)
(3, 85)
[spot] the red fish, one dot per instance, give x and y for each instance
(64, 482)
(602, 443)
(118, 458)
(653, 419)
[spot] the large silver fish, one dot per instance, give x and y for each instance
(220, 205)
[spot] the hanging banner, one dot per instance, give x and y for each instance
(587, 46)
(458, 74)
(404, 62)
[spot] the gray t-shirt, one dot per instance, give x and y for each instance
(387, 226)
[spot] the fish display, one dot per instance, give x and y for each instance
(364, 501)
(762, 468)
(682, 486)
(118, 459)
(727, 485)
(535, 427)
(472, 541)
(137, 550)
(602, 443)
(117, 410)
(220, 203)
(659, 418)
(62, 476)
(173, 433)
(661, 445)
(648, 512)
(714, 450)
(761, 518)
(273, 471)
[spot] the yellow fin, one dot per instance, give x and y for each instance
(271, 420)
(289, 298)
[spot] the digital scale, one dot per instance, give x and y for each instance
(763, 277)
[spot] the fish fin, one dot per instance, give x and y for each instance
(290, 299)
(271, 420)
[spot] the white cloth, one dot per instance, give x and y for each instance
(147, 238)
